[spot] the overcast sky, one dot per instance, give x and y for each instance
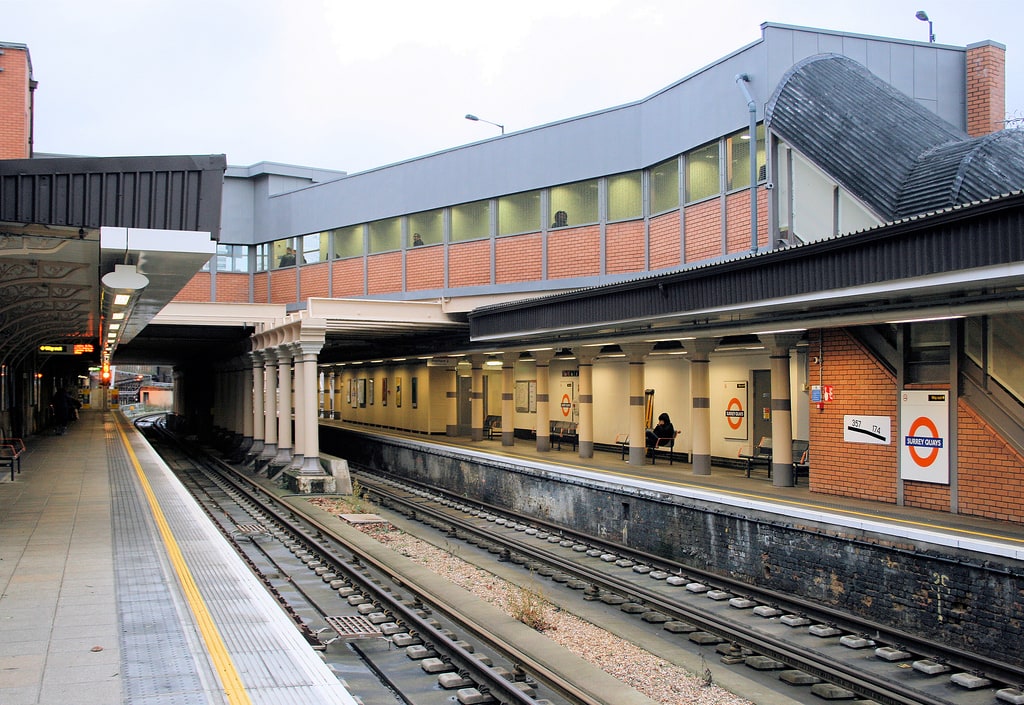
(351, 85)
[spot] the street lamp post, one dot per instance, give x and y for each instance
(474, 118)
(923, 16)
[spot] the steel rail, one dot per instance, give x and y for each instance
(489, 681)
(858, 681)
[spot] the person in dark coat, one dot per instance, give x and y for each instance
(664, 429)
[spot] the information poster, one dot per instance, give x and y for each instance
(924, 436)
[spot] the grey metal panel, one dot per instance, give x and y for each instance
(902, 68)
(166, 193)
(925, 75)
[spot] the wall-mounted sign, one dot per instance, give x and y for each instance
(876, 430)
(924, 436)
(734, 415)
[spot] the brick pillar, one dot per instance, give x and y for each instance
(986, 88)
(16, 88)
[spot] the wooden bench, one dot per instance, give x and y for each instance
(492, 426)
(564, 432)
(663, 445)
(11, 450)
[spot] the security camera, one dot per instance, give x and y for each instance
(769, 185)
(815, 359)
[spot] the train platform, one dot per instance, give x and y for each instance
(730, 486)
(116, 588)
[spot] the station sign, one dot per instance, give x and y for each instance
(734, 414)
(924, 436)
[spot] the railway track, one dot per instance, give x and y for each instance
(393, 637)
(837, 655)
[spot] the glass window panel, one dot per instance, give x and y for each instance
(519, 213)
(314, 248)
(1006, 351)
(348, 242)
(702, 173)
(738, 158)
(263, 257)
(471, 221)
(665, 186)
(231, 258)
(574, 204)
(429, 225)
(625, 196)
(284, 254)
(974, 341)
(386, 235)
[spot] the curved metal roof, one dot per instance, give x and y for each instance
(894, 154)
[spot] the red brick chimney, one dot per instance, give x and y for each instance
(16, 86)
(986, 88)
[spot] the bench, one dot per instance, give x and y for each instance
(564, 432)
(11, 450)
(622, 440)
(762, 455)
(666, 444)
(492, 426)
(802, 462)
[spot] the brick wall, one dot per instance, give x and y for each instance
(283, 286)
(15, 114)
(197, 289)
(232, 287)
(424, 268)
(518, 259)
(314, 281)
(703, 230)
(624, 247)
(469, 263)
(986, 88)
(665, 242)
(990, 470)
(866, 388)
(574, 252)
(348, 277)
(261, 288)
(384, 273)
(737, 221)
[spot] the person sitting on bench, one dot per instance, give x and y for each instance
(664, 429)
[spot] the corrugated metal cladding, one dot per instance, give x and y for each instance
(898, 157)
(163, 193)
(859, 129)
(980, 235)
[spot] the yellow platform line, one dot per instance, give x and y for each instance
(230, 680)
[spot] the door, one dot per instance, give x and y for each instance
(761, 425)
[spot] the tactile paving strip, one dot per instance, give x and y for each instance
(157, 665)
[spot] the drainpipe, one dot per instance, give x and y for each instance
(742, 80)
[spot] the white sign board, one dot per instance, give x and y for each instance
(924, 436)
(876, 430)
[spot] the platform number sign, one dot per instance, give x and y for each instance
(924, 436)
